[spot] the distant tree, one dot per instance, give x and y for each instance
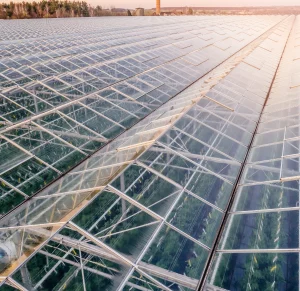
(10, 9)
(98, 11)
(129, 13)
(85, 9)
(54, 8)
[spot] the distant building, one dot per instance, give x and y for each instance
(118, 10)
(168, 13)
(140, 12)
(157, 7)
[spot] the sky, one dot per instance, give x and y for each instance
(166, 3)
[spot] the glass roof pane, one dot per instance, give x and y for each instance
(260, 241)
(9, 198)
(44, 146)
(11, 155)
(126, 148)
(274, 230)
(144, 187)
(244, 271)
(26, 100)
(174, 252)
(29, 176)
(267, 196)
(196, 218)
(210, 136)
(91, 120)
(117, 222)
(74, 134)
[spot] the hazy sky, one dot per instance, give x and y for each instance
(151, 3)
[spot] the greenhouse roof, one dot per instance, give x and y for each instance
(154, 154)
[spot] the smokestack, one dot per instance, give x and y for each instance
(157, 7)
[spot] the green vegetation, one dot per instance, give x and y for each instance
(60, 278)
(274, 271)
(128, 230)
(52, 9)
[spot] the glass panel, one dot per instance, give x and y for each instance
(27, 100)
(70, 131)
(10, 155)
(92, 120)
(212, 137)
(29, 176)
(262, 231)
(267, 196)
(277, 271)
(196, 218)
(11, 111)
(172, 251)
(147, 188)
(57, 266)
(119, 224)
(8, 198)
(45, 146)
(210, 188)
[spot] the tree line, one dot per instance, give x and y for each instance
(53, 9)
